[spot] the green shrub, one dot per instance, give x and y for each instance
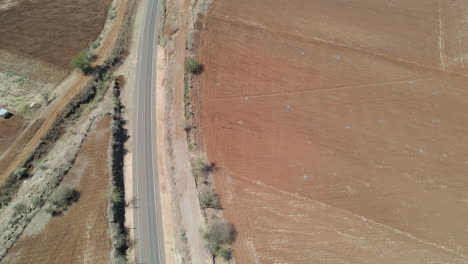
(80, 61)
(225, 253)
(61, 198)
(201, 166)
(116, 195)
(192, 65)
(20, 209)
(18, 174)
(209, 199)
(94, 44)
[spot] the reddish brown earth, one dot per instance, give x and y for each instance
(14, 137)
(9, 129)
(50, 30)
(339, 128)
(81, 234)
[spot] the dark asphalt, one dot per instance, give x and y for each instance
(148, 222)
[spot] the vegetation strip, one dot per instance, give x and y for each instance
(218, 234)
(118, 231)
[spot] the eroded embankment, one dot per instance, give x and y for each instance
(336, 139)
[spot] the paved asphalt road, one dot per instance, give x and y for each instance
(149, 232)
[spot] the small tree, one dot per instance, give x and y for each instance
(193, 66)
(80, 61)
(209, 199)
(217, 234)
(61, 198)
(201, 166)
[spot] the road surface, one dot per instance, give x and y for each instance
(148, 233)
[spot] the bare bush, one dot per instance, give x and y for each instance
(209, 199)
(217, 234)
(61, 198)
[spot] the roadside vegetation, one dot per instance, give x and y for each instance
(61, 198)
(201, 168)
(81, 61)
(193, 66)
(209, 199)
(11, 186)
(218, 234)
(118, 231)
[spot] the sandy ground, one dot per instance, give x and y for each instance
(338, 132)
(129, 199)
(81, 234)
(73, 84)
(163, 170)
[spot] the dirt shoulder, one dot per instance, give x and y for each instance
(187, 218)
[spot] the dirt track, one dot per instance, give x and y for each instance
(338, 129)
(56, 107)
(81, 235)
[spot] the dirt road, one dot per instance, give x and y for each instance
(58, 105)
(338, 129)
(81, 235)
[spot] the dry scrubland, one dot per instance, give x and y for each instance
(81, 235)
(339, 128)
(38, 39)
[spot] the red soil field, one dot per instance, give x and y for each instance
(9, 131)
(50, 30)
(14, 135)
(81, 234)
(339, 128)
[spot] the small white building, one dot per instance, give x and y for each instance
(4, 113)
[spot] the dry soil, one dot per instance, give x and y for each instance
(339, 128)
(81, 234)
(9, 130)
(50, 30)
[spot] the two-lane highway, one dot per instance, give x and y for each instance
(148, 233)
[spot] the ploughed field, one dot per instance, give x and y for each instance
(49, 30)
(81, 234)
(339, 128)
(38, 40)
